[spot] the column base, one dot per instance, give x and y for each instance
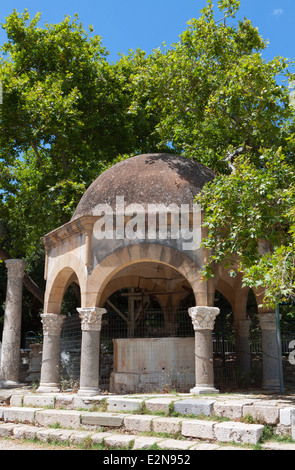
(48, 388)
(88, 392)
(204, 390)
(9, 383)
(271, 385)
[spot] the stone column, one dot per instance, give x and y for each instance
(270, 352)
(203, 319)
(242, 328)
(11, 338)
(91, 320)
(52, 325)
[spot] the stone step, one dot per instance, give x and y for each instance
(268, 412)
(150, 413)
(108, 440)
(187, 428)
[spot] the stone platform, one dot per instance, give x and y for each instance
(148, 421)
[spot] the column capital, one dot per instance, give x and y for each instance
(203, 318)
(15, 267)
(52, 323)
(91, 318)
(267, 321)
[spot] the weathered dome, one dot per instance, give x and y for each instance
(146, 179)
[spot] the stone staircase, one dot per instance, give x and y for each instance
(160, 422)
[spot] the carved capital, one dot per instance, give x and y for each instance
(91, 318)
(52, 323)
(15, 267)
(203, 318)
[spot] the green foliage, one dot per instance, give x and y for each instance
(65, 118)
(68, 114)
(214, 92)
(249, 216)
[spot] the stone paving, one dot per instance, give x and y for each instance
(176, 422)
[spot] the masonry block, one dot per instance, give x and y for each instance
(169, 425)
(39, 400)
(198, 428)
(65, 418)
(263, 413)
(159, 404)
(285, 415)
(124, 404)
(139, 423)
(20, 415)
(238, 432)
(119, 440)
(102, 419)
(232, 409)
(194, 407)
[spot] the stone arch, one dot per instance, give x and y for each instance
(140, 253)
(67, 269)
(226, 290)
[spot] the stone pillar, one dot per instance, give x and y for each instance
(242, 328)
(34, 371)
(52, 325)
(270, 352)
(203, 319)
(91, 320)
(11, 338)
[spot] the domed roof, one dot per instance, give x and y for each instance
(146, 179)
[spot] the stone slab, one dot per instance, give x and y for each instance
(65, 418)
(194, 407)
(175, 444)
(16, 400)
(96, 418)
(124, 404)
(169, 425)
(146, 442)
(79, 437)
(277, 446)
(285, 416)
(88, 402)
(263, 413)
(39, 400)
(138, 423)
(25, 432)
(51, 435)
(198, 428)
(231, 409)
(98, 437)
(20, 414)
(64, 401)
(156, 405)
(238, 432)
(205, 446)
(119, 440)
(6, 429)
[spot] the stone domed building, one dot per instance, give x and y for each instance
(137, 232)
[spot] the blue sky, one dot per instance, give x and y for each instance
(130, 24)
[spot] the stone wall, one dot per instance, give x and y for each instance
(153, 364)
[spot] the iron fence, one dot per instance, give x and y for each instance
(151, 324)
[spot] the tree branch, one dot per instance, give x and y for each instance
(39, 158)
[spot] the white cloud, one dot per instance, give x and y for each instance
(278, 12)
